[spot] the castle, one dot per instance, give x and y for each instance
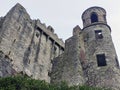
(87, 58)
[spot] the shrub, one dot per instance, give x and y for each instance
(25, 83)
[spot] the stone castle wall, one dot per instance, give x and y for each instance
(68, 66)
(29, 45)
(80, 62)
(30, 48)
(100, 76)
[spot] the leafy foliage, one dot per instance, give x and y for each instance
(25, 83)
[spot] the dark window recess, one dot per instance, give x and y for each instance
(117, 62)
(37, 34)
(54, 49)
(101, 61)
(49, 73)
(94, 17)
(29, 49)
(98, 34)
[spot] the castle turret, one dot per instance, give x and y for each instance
(94, 15)
(90, 57)
(101, 67)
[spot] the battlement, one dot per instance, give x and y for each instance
(31, 48)
(49, 31)
(29, 43)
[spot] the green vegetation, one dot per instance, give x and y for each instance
(25, 83)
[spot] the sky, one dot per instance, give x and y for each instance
(64, 15)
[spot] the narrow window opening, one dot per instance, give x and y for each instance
(54, 50)
(37, 34)
(98, 34)
(94, 18)
(49, 73)
(29, 48)
(101, 61)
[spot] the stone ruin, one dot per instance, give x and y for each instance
(29, 47)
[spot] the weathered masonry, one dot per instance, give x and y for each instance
(90, 57)
(27, 46)
(87, 58)
(57, 44)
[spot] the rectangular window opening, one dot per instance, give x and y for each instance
(101, 60)
(98, 34)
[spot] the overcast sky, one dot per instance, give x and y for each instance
(64, 15)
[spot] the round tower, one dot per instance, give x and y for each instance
(101, 67)
(94, 15)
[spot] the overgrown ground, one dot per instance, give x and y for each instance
(25, 83)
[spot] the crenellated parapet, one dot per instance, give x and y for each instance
(30, 45)
(31, 48)
(49, 31)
